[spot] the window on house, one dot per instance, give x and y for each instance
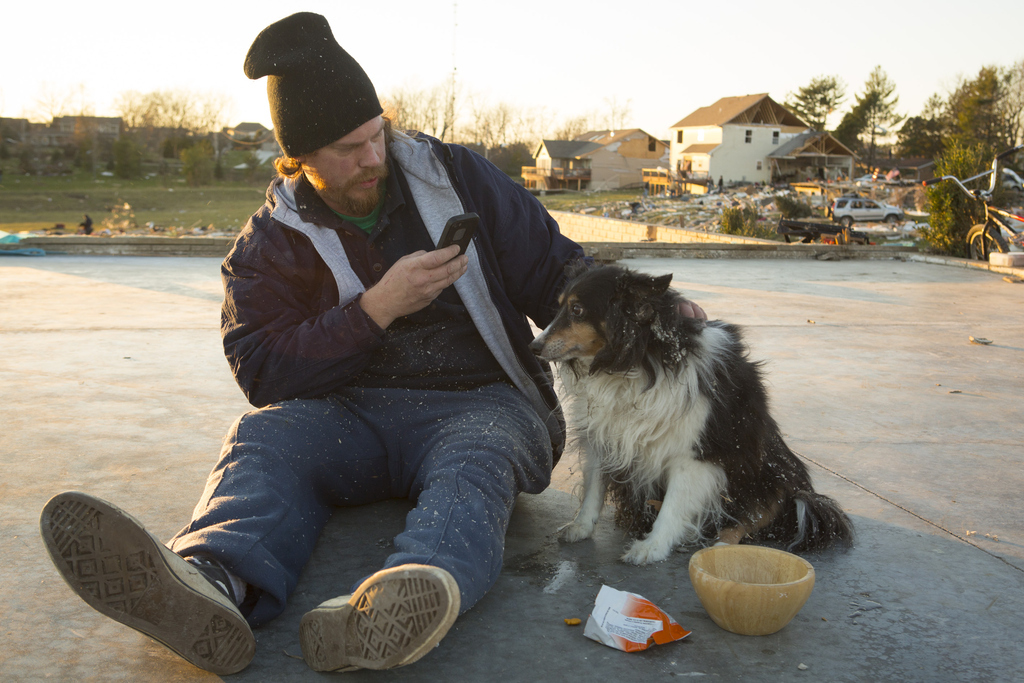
(679, 136)
(749, 136)
(775, 137)
(651, 145)
(759, 166)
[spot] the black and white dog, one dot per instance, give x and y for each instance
(669, 408)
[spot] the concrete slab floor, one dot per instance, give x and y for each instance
(113, 382)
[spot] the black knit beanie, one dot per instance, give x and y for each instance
(317, 92)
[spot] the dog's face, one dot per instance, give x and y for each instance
(579, 330)
(604, 318)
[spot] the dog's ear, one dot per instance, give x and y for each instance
(660, 285)
(636, 293)
(641, 285)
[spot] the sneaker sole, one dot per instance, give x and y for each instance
(122, 571)
(394, 618)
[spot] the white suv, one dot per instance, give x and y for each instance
(846, 210)
(1012, 181)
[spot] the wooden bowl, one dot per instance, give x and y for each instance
(748, 589)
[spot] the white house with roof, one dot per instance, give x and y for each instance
(747, 139)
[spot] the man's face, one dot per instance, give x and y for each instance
(349, 174)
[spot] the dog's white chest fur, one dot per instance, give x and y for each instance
(648, 439)
(636, 430)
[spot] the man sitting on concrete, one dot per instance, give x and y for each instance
(372, 376)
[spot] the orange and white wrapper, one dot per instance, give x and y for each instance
(629, 622)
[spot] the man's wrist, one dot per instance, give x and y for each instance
(375, 310)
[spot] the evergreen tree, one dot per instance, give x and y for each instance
(924, 135)
(815, 101)
(878, 104)
(976, 110)
(851, 127)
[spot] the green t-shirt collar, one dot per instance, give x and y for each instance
(364, 223)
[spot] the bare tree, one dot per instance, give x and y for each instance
(572, 128)
(529, 126)
(183, 110)
(618, 112)
(134, 109)
(429, 111)
(211, 111)
(491, 124)
(52, 102)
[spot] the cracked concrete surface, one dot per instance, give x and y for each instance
(114, 383)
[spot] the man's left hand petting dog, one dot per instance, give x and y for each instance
(667, 407)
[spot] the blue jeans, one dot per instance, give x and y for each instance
(463, 456)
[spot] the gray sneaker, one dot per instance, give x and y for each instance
(395, 617)
(119, 569)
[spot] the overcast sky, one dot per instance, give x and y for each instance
(666, 58)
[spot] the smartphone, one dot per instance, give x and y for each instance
(459, 230)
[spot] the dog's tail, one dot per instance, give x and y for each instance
(820, 523)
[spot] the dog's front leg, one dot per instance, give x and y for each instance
(692, 490)
(595, 488)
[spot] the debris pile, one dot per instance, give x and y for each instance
(704, 211)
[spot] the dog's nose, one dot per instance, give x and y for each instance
(537, 346)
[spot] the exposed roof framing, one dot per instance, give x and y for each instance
(758, 108)
(812, 143)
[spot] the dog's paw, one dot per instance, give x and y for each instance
(575, 531)
(646, 551)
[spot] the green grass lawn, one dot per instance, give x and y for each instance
(40, 202)
(568, 201)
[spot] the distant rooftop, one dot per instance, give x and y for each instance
(758, 108)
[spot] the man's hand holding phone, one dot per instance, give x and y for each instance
(418, 278)
(459, 230)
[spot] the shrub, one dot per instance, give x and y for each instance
(952, 212)
(197, 163)
(26, 162)
(793, 208)
(743, 222)
(173, 146)
(127, 158)
(84, 153)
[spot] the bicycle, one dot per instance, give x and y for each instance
(987, 238)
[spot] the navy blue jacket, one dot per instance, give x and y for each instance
(286, 335)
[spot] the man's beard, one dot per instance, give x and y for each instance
(341, 198)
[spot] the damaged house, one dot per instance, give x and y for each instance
(753, 138)
(597, 160)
